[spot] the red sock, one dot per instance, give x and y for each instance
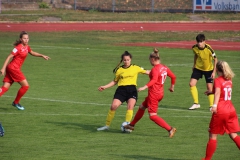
(3, 90)
(138, 116)
(20, 93)
(159, 121)
(237, 141)
(211, 147)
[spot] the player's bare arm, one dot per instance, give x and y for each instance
(208, 92)
(39, 55)
(3, 70)
(147, 71)
(214, 69)
(142, 88)
(110, 84)
(171, 89)
(194, 61)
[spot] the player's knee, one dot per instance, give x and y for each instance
(153, 117)
(191, 84)
(142, 107)
(233, 135)
(114, 107)
(25, 87)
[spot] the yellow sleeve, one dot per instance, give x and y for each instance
(141, 70)
(117, 76)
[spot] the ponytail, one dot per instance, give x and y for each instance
(115, 69)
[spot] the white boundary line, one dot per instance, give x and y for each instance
(90, 115)
(52, 100)
(88, 103)
(98, 104)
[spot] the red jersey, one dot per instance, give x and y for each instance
(157, 77)
(225, 104)
(20, 53)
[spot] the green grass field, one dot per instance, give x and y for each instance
(63, 107)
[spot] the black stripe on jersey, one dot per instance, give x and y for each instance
(122, 66)
(195, 45)
(208, 47)
(115, 69)
(136, 65)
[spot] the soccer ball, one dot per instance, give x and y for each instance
(125, 130)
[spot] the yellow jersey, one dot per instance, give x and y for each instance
(128, 76)
(205, 57)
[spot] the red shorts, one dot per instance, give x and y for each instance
(151, 102)
(13, 75)
(224, 123)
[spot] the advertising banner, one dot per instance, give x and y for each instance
(216, 5)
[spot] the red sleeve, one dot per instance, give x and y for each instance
(217, 83)
(29, 49)
(14, 51)
(172, 76)
(154, 78)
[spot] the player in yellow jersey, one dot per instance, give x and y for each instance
(205, 61)
(126, 78)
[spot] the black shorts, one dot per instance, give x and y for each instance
(198, 74)
(124, 93)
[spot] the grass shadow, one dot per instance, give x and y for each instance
(139, 157)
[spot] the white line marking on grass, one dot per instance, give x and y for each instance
(99, 104)
(90, 115)
(54, 114)
(52, 100)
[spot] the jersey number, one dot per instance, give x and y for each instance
(164, 76)
(228, 93)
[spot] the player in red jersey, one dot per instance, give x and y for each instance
(224, 116)
(12, 70)
(155, 87)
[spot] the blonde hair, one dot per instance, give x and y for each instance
(225, 69)
(155, 54)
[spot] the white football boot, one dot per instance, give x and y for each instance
(103, 128)
(194, 106)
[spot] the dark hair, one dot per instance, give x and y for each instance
(200, 38)
(126, 53)
(155, 54)
(17, 42)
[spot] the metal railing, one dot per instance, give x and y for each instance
(20, 1)
(132, 5)
(171, 6)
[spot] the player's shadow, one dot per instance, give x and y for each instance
(139, 157)
(71, 125)
(7, 107)
(83, 126)
(89, 127)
